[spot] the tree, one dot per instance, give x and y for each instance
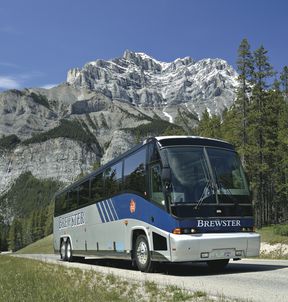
(284, 80)
(3, 235)
(209, 126)
(245, 69)
(48, 228)
(15, 236)
(260, 116)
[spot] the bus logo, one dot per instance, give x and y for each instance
(132, 206)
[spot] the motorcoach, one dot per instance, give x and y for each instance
(169, 199)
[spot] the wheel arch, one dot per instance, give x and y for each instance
(135, 232)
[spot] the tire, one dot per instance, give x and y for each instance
(69, 251)
(63, 254)
(142, 255)
(217, 265)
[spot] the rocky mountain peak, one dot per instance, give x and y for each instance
(139, 79)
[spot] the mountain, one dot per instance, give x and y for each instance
(143, 81)
(102, 110)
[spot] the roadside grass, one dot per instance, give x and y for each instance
(30, 280)
(274, 234)
(277, 237)
(42, 246)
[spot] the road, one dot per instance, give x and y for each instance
(249, 279)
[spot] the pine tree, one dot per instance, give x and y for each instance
(209, 126)
(15, 236)
(245, 69)
(281, 173)
(284, 81)
(48, 228)
(259, 113)
(3, 235)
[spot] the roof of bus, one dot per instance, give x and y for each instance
(165, 141)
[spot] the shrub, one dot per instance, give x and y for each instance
(281, 230)
(9, 142)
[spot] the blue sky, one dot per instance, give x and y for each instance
(41, 40)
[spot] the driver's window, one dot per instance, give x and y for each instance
(156, 184)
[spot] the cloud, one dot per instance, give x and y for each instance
(19, 81)
(7, 82)
(49, 86)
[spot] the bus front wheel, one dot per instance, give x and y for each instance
(142, 254)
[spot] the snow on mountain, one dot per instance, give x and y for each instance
(146, 82)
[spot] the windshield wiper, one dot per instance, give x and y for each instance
(205, 193)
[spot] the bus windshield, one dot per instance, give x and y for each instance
(205, 177)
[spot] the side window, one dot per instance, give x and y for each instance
(156, 184)
(84, 196)
(73, 199)
(97, 187)
(61, 204)
(134, 172)
(113, 179)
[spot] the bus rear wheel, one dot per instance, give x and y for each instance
(142, 255)
(63, 254)
(69, 252)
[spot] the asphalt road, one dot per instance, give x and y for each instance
(250, 279)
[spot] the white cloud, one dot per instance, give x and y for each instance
(49, 86)
(7, 82)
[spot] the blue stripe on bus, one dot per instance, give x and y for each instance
(104, 212)
(100, 213)
(110, 201)
(108, 211)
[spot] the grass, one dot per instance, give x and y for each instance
(30, 280)
(272, 234)
(42, 246)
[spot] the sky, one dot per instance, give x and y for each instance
(41, 40)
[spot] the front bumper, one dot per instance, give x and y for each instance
(212, 246)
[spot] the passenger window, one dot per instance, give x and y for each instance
(113, 179)
(97, 187)
(84, 196)
(156, 184)
(61, 204)
(73, 199)
(134, 172)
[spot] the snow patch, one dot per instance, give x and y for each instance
(167, 115)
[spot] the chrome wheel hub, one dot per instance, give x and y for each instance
(142, 253)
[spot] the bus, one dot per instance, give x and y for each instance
(168, 199)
